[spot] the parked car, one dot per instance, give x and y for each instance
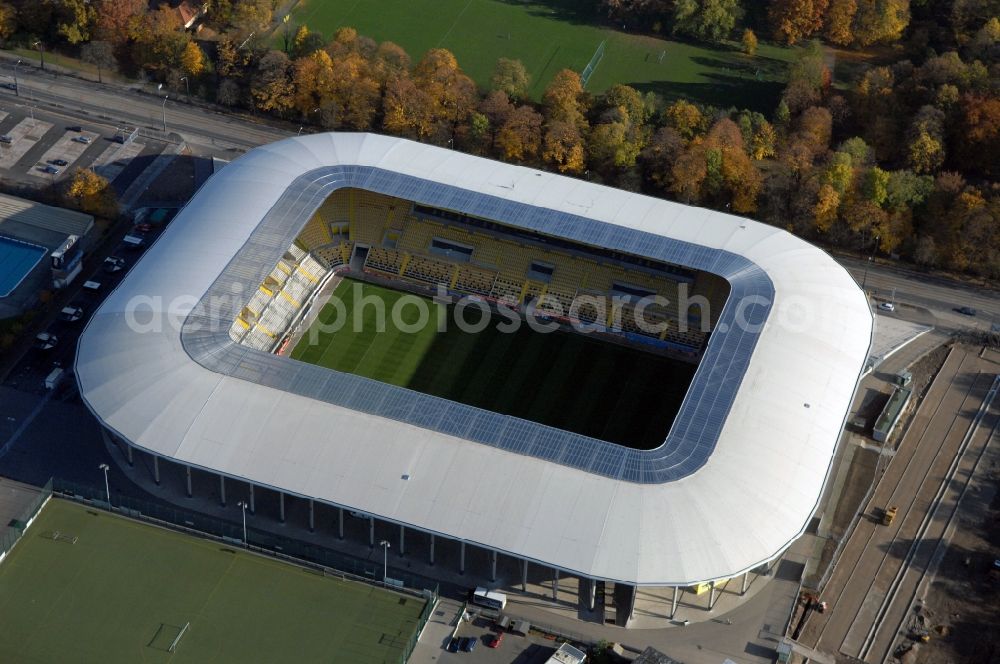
(113, 264)
(469, 643)
(10, 86)
(74, 128)
(966, 311)
(71, 313)
(453, 644)
(6, 139)
(143, 228)
(495, 640)
(45, 341)
(82, 139)
(50, 169)
(887, 306)
(59, 162)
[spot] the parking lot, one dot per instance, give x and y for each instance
(39, 148)
(513, 647)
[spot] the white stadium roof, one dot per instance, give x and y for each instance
(736, 481)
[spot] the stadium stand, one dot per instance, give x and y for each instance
(428, 248)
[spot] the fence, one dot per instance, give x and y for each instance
(12, 533)
(332, 563)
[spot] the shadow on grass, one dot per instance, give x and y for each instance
(721, 91)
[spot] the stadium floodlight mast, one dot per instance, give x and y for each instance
(107, 487)
(242, 504)
(385, 561)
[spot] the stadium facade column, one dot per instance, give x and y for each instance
(743, 584)
(711, 596)
(252, 503)
(493, 565)
(222, 490)
(156, 469)
(673, 603)
(128, 454)
(188, 469)
(555, 584)
(312, 517)
(591, 593)
(340, 522)
(432, 550)
(281, 506)
(402, 541)
(524, 575)
(371, 532)
(461, 557)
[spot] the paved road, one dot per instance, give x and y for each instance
(119, 106)
(862, 616)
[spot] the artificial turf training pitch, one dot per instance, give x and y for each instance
(124, 590)
(560, 379)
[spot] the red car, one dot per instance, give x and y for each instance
(143, 228)
(495, 641)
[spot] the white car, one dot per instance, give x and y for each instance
(81, 139)
(887, 306)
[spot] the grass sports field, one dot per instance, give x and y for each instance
(124, 590)
(549, 35)
(560, 379)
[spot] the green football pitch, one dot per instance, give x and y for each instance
(565, 380)
(124, 591)
(549, 35)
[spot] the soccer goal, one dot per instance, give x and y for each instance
(592, 65)
(59, 536)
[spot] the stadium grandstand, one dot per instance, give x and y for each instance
(674, 427)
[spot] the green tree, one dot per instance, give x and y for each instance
(708, 20)
(880, 20)
(511, 77)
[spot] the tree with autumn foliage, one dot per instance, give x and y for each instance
(565, 101)
(794, 20)
(520, 136)
(91, 193)
(192, 60)
(119, 21)
(563, 148)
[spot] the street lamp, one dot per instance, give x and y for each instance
(107, 487)
(385, 561)
(164, 108)
(864, 279)
(17, 88)
(243, 506)
(41, 52)
(187, 86)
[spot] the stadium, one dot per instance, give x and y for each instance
(664, 414)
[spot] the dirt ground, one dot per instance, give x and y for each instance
(866, 462)
(961, 610)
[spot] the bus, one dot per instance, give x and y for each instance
(489, 599)
(67, 262)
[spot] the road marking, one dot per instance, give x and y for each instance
(65, 148)
(24, 137)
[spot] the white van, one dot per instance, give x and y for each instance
(133, 242)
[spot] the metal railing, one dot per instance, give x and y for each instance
(15, 529)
